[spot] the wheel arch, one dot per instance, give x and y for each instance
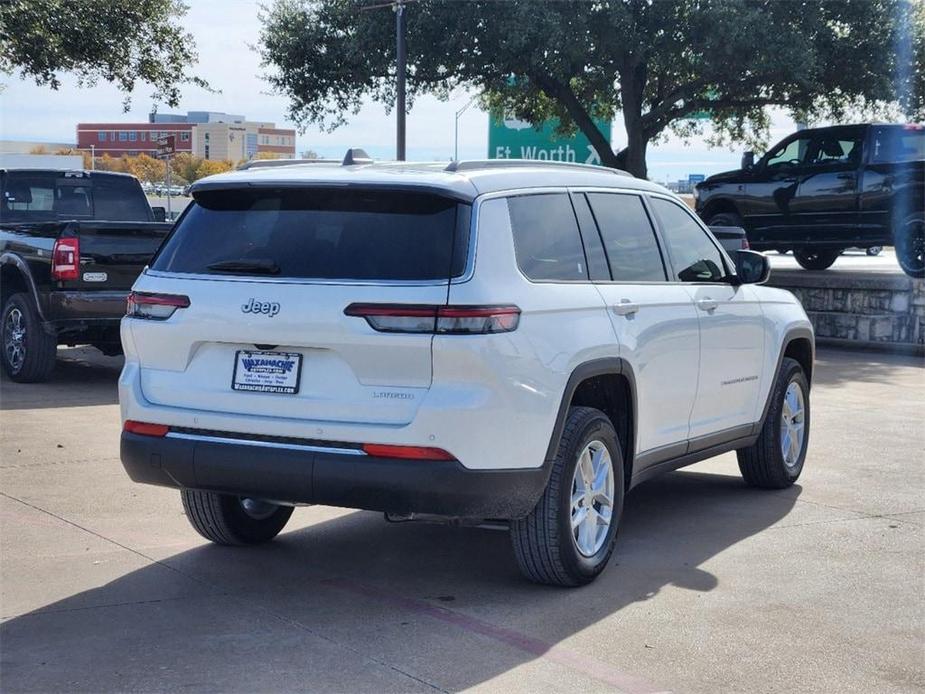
(608, 385)
(16, 277)
(718, 206)
(799, 343)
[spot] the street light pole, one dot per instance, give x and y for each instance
(456, 127)
(401, 69)
(93, 157)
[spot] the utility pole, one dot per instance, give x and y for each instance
(401, 70)
(93, 157)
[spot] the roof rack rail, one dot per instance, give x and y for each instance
(478, 164)
(266, 163)
(356, 155)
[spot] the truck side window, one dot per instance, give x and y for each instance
(695, 257)
(827, 150)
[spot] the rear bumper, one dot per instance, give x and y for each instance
(298, 474)
(101, 308)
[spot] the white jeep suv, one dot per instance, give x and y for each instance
(507, 341)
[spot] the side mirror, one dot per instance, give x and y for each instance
(748, 161)
(160, 214)
(752, 267)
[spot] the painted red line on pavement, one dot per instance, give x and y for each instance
(629, 684)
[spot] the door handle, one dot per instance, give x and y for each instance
(707, 304)
(625, 308)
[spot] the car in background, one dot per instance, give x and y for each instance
(823, 190)
(71, 245)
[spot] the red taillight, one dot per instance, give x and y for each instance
(145, 428)
(154, 306)
(406, 452)
(65, 259)
(444, 320)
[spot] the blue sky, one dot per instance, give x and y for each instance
(224, 30)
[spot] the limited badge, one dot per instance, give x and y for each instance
(95, 277)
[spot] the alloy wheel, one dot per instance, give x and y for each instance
(14, 339)
(792, 425)
(592, 498)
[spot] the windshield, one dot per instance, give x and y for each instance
(36, 196)
(320, 233)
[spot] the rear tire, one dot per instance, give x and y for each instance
(548, 547)
(26, 350)
(909, 240)
(765, 464)
(815, 259)
(232, 520)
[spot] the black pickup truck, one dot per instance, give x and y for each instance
(822, 190)
(71, 245)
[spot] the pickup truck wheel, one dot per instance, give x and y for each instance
(909, 240)
(569, 536)
(815, 259)
(776, 459)
(725, 219)
(28, 353)
(226, 519)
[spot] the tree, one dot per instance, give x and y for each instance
(208, 167)
(659, 63)
(111, 40)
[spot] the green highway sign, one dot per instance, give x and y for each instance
(509, 138)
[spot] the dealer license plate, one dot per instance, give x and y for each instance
(267, 372)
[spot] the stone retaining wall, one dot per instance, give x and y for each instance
(875, 310)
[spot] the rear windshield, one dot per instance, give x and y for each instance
(318, 233)
(894, 144)
(36, 196)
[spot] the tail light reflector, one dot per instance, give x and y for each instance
(65, 259)
(145, 428)
(154, 306)
(406, 452)
(441, 320)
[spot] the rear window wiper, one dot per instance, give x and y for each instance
(251, 266)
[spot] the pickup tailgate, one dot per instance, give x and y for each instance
(112, 254)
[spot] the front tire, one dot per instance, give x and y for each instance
(569, 536)
(815, 259)
(909, 241)
(776, 459)
(232, 520)
(28, 352)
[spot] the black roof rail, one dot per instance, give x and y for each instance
(266, 163)
(356, 155)
(479, 164)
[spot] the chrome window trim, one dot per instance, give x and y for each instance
(263, 444)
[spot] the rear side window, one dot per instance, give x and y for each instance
(50, 195)
(320, 233)
(897, 144)
(694, 255)
(546, 237)
(629, 238)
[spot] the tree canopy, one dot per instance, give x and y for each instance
(112, 40)
(660, 64)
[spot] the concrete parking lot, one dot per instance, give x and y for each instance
(714, 586)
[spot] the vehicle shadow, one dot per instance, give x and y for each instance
(334, 605)
(82, 376)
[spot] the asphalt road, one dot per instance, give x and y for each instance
(714, 587)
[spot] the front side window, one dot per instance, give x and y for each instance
(629, 239)
(694, 256)
(546, 237)
(788, 154)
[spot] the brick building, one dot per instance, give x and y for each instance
(206, 134)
